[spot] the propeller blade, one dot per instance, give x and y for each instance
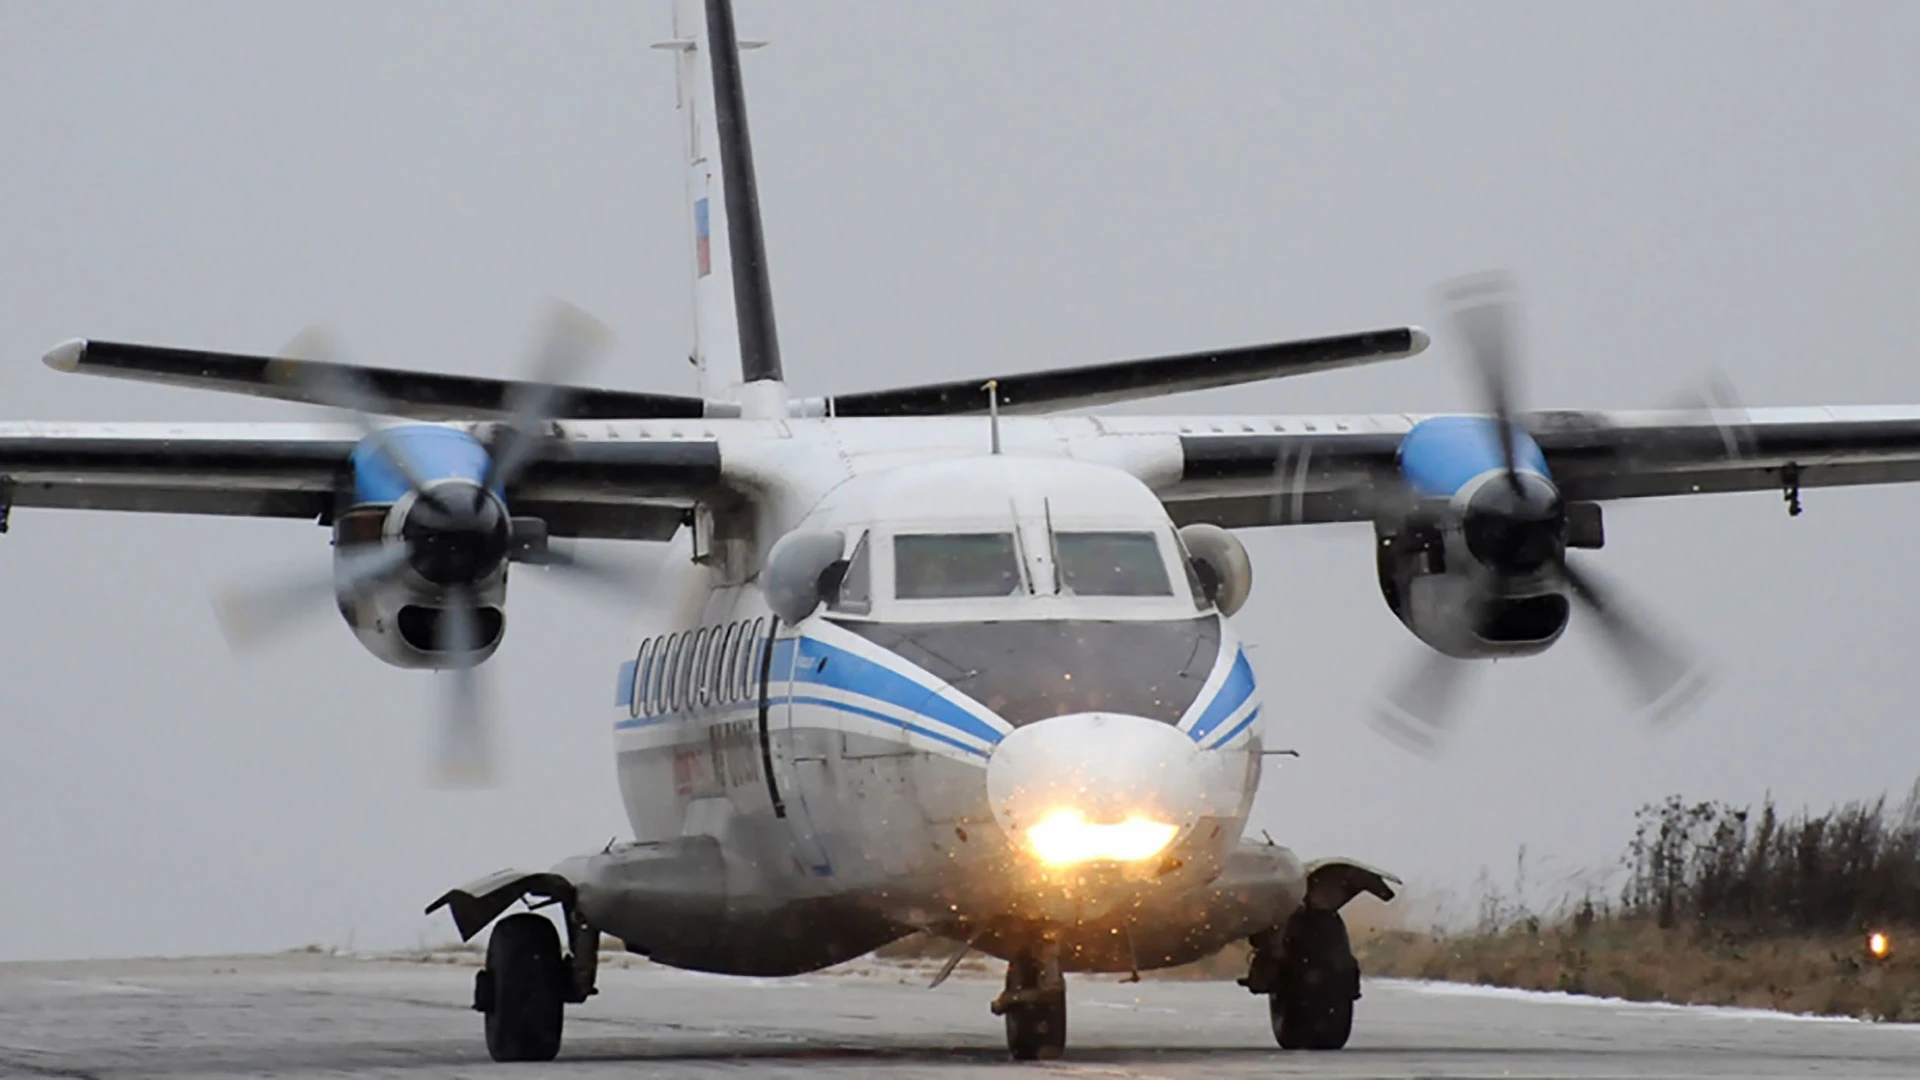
(572, 342)
(250, 616)
(1712, 401)
(464, 758)
(1418, 712)
(309, 365)
(1484, 313)
(1665, 680)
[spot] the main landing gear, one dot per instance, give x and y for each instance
(528, 982)
(1311, 979)
(1035, 1003)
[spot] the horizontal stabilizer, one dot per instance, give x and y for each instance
(419, 395)
(1131, 380)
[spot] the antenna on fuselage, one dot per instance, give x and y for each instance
(992, 388)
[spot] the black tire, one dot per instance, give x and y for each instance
(526, 978)
(1312, 1008)
(1036, 1030)
(1324, 1024)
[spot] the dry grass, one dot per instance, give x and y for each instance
(1723, 905)
(1637, 960)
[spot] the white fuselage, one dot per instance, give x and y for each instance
(892, 751)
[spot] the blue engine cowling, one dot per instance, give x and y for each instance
(399, 620)
(1468, 568)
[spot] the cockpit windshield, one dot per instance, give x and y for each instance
(944, 566)
(1111, 564)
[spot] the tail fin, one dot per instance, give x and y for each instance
(733, 302)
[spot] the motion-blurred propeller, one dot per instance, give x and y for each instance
(1523, 531)
(459, 531)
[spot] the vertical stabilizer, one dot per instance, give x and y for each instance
(734, 335)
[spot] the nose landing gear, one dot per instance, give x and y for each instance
(1311, 979)
(528, 982)
(1034, 1003)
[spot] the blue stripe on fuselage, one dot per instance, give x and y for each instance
(1233, 693)
(1237, 729)
(1443, 453)
(822, 664)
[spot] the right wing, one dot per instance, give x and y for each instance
(1248, 471)
(1131, 380)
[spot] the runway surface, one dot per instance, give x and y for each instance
(308, 1015)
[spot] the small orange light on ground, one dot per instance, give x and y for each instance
(1878, 946)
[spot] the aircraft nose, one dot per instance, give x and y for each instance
(1095, 787)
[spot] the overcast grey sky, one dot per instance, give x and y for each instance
(950, 190)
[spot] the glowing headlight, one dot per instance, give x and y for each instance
(1878, 946)
(1065, 837)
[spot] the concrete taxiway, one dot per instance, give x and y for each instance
(306, 1015)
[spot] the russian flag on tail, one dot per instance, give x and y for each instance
(702, 238)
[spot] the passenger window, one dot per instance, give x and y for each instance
(684, 690)
(703, 639)
(1111, 564)
(637, 693)
(948, 566)
(724, 667)
(670, 674)
(756, 646)
(657, 677)
(855, 595)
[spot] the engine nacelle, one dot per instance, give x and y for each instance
(1440, 591)
(400, 620)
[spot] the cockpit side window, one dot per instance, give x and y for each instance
(946, 566)
(855, 595)
(1111, 564)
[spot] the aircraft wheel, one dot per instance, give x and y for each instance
(522, 989)
(1312, 1008)
(1035, 1009)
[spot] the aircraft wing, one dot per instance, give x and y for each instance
(1252, 471)
(421, 395)
(610, 489)
(1131, 380)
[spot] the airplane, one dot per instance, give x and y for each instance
(954, 658)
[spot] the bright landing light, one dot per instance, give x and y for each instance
(1065, 837)
(1877, 945)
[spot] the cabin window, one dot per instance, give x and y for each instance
(659, 677)
(670, 674)
(637, 694)
(944, 566)
(725, 656)
(1111, 564)
(855, 595)
(703, 692)
(684, 691)
(750, 670)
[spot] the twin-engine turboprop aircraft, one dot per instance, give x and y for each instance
(933, 658)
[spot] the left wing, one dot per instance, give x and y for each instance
(636, 489)
(1251, 471)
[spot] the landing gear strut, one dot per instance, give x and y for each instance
(1311, 979)
(1035, 1003)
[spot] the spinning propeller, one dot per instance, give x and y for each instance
(1518, 528)
(456, 532)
